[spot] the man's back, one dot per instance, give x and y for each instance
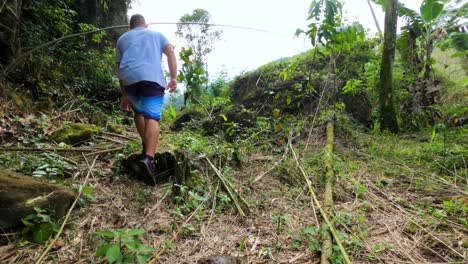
(139, 53)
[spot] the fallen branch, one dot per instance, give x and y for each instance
(51, 244)
(326, 248)
(120, 136)
(47, 149)
(104, 151)
(235, 196)
(322, 212)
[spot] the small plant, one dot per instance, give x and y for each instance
(308, 235)
(280, 220)
(41, 225)
(124, 246)
(87, 194)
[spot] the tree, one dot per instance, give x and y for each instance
(10, 20)
(388, 115)
(200, 37)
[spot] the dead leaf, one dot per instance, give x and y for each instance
(58, 244)
(7, 251)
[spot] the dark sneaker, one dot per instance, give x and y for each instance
(147, 170)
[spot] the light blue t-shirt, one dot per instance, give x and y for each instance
(139, 52)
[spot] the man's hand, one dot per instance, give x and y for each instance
(172, 85)
(125, 103)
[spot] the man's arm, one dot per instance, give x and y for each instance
(172, 64)
(124, 102)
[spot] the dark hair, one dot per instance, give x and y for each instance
(137, 19)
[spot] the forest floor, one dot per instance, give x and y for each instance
(398, 199)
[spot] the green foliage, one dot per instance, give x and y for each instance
(325, 16)
(200, 38)
(192, 74)
(41, 225)
(198, 33)
(308, 236)
(44, 166)
(124, 246)
(431, 9)
(280, 220)
(80, 66)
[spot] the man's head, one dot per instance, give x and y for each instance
(137, 20)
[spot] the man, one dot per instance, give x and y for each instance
(139, 55)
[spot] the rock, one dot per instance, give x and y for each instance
(219, 260)
(73, 134)
(19, 194)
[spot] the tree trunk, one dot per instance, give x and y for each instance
(327, 245)
(388, 115)
(10, 18)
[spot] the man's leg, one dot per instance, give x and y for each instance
(140, 126)
(151, 136)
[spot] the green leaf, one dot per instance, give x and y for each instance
(132, 245)
(431, 9)
(113, 253)
(44, 217)
(145, 248)
(142, 258)
(102, 250)
(87, 190)
(136, 232)
(224, 117)
(310, 230)
(27, 223)
(42, 232)
(107, 233)
(433, 135)
(129, 259)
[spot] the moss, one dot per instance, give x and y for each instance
(21, 102)
(115, 128)
(73, 134)
(98, 119)
(19, 194)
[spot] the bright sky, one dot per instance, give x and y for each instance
(240, 50)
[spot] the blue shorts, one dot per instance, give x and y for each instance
(147, 98)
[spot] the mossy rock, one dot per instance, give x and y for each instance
(73, 134)
(185, 116)
(169, 166)
(19, 194)
(242, 117)
(114, 128)
(98, 119)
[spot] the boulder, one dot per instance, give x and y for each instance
(19, 194)
(73, 134)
